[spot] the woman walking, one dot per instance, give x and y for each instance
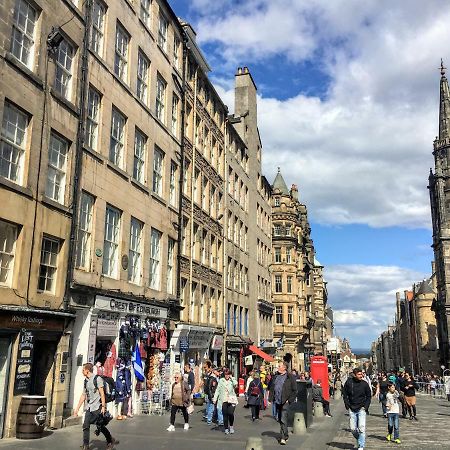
(255, 396)
(180, 400)
(409, 389)
(226, 398)
(382, 390)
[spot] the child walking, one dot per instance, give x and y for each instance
(393, 413)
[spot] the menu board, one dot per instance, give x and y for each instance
(22, 379)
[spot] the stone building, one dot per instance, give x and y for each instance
(298, 291)
(439, 187)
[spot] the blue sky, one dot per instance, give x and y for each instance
(348, 105)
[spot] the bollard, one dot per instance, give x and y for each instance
(254, 443)
(318, 410)
(299, 424)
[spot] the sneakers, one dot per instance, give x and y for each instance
(227, 431)
(388, 437)
(398, 441)
(231, 430)
(282, 441)
(186, 426)
(171, 428)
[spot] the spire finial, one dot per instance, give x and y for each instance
(442, 68)
(279, 170)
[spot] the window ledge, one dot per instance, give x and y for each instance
(94, 154)
(147, 28)
(118, 170)
(140, 186)
(173, 208)
(56, 205)
(122, 83)
(66, 103)
(24, 69)
(159, 199)
(164, 53)
(8, 184)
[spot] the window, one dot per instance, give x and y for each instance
(142, 77)
(162, 32)
(176, 52)
(85, 231)
(229, 318)
(277, 201)
(288, 255)
(13, 137)
(145, 12)
(160, 98)
(235, 313)
(63, 76)
(121, 53)
(187, 164)
(47, 269)
(289, 285)
(277, 230)
(117, 138)
(135, 252)
(93, 118)
(98, 27)
(140, 150)
(290, 315)
(173, 184)
(287, 230)
(158, 163)
(184, 236)
(56, 170)
(8, 238)
(246, 322)
(279, 315)
(111, 242)
(170, 265)
(278, 286)
(22, 39)
(155, 259)
(175, 102)
(277, 254)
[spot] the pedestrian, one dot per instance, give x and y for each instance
(189, 377)
(393, 413)
(283, 392)
(95, 407)
(225, 397)
(208, 390)
(317, 396)
(409, 390)
(357, 397)
(255, 396)
(247, 384)
(382, 390)
(180, 400)
(217, 416)
(433, 385)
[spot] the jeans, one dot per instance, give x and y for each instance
(209, 410)
(228, 414)
(382, 398)
(358, 426)
(393, 424)
(274, 410)
(90, 418)
(282, 411)
(174, 410)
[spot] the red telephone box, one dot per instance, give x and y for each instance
(319, 371)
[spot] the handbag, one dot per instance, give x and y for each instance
(190, 409)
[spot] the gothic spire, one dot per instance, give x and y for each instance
(444, 106)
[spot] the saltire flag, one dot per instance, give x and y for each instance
(137, 364)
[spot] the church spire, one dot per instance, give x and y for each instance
(444, 106)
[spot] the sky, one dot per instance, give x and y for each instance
(348, 99)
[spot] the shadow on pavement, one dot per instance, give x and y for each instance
(339, 445)
(378, 438)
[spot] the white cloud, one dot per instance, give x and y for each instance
(362, 153)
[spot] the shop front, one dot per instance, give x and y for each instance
(110, 335)
(236, 350)
(33, 361)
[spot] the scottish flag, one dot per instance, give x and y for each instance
(137, 364)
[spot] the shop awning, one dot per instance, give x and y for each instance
(260, 353)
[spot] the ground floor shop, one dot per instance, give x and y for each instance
(34, 347)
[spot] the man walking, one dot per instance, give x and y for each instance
(357, 396)
(94, 394)
(283, 392)
(209, 390)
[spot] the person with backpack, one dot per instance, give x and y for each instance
(255, 396)
(209, 385)
(95, 397)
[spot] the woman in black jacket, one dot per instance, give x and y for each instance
(409, 389)
(255, 396)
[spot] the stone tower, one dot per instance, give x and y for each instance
(439, 186)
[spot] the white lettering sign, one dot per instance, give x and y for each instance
(124, 307)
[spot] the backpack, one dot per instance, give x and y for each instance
(255, 390)
(109, 387)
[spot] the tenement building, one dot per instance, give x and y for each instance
(439, 187)
(298, 290)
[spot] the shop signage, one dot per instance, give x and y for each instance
(217, 342)
(19, 320)
(125, 307)
(92, 339)
(22, 380)
(41, 416)
(184, 344)
(108, 324)
(199, 339)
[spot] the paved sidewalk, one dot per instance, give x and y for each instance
(430, 432)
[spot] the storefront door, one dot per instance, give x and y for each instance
(5, 350)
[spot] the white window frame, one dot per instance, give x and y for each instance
(173, 194)
(176, 52)
(278, 315)
(140, 151)
(85, 224)
(111, 245)
(161, 87)
(48, 265)
(145, 11)
(8, 238)
(98, 27)
(63, 71)
(23, 31)
(170, 265)
(93, 118)
(277, 253)
(163, 27)
(290, 315)
(143, 66)
(135, 251)
(158, 172)
(174, 123)
(155, 259)
(117, 138)
(122, 44)
(13, 143)
(278, 284)
(58, 150)
(289, 284)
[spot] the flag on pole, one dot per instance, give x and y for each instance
(137, 364)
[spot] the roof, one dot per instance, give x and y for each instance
(425, 287)
(280, 184)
